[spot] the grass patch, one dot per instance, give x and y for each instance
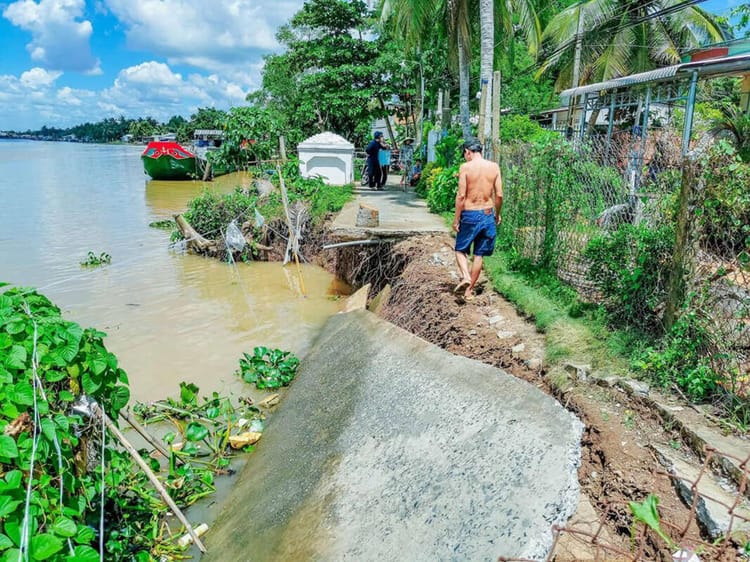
(584, 339)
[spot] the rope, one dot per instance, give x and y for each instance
(23, 554)
(101, 509)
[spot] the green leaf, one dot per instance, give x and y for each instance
(15, 327)
(85, 534)
(13, 479)
(120, 397)
(8, 447)
(12, 555)
(5, 376)
(98, 365)
(84, 553)
(647, 513)
(8, 505)
(54, 375)
(188, 393)
(64, 527)
(23, 393)
(66, 396)
(90, 383)
(5, 542)
(48, 429)
(16, 357)
(196, 432)
(45, 545)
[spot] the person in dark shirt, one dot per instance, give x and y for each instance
(373, 163)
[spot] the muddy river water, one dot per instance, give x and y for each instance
(169, 316)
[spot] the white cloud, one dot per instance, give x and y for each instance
(216, 37)
(38, 78)
(59, 37)
(149, 89)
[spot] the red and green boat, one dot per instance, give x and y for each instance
(167, 160)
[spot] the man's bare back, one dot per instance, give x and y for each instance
(480, 176)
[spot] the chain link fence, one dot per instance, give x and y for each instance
(653, 531)
(661, 241)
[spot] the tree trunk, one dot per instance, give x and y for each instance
(487, 59)
(463, 87)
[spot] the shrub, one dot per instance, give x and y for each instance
(441, 196)
(630, 267)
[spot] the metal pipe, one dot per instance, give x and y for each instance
(689, 109)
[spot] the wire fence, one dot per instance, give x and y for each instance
(652, 533)
(663, 242)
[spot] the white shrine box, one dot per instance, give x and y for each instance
(329, 156)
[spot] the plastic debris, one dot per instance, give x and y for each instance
(234, 238)
(685, 555)
(186, 539)
(244, 439)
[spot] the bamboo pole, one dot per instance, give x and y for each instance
(151, 476)
(292, 237)
(146, 435)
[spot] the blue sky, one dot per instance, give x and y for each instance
(65, 62)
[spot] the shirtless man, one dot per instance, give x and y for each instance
(478, 203)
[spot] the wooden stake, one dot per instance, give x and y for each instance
(285, 200)
(151, 476)
(146, 435)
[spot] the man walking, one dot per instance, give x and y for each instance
(373, 163)
(478, 204)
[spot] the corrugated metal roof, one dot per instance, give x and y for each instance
(710, 67)
(208, 133)
(660, 74)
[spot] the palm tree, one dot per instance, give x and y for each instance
(414, 19)
(622, 37)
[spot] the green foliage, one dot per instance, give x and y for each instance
(448, 149)
(166, 224)
(329, 77)
(630, 267)
(648, 514)
(92, 260)
(252, 134)
(426, 179)
(683, 358)
(551, 191)
(47, 363)
(268, 368)
(204, 118)
(724, 215)
(441, 196)
(210, 213)
(521, 128)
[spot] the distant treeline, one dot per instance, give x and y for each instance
(117, 129)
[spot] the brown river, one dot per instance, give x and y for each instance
(169, 316)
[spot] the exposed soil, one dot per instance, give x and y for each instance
(617, 465)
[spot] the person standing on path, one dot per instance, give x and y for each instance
(384, 159)
(478, 203)
(373, 163)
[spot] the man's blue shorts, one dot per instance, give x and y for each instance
(477, 227)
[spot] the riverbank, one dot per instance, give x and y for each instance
(634, 436)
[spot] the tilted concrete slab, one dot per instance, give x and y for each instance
(401, 214)
(389, 448)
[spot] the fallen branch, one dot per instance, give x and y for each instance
(151, 476)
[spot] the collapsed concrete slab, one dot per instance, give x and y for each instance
(390, 448)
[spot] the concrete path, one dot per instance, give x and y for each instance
(401, 214)
(388, 448)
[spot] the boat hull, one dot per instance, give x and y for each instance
(168, 161)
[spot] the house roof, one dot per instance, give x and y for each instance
(709, 67)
